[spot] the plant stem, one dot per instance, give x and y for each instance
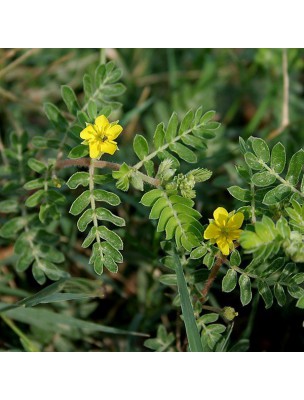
(86, 162)
(93, 205)
(213, 274)
(282, 180)
(253, 217)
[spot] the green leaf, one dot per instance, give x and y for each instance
(245, 288)
(56, 118)
(300, 302)
(117, 89)
(229, 281)
(186, 122)
(24, 261)
(183, 152)
(278, 158)
(88, 86)
(279, 294)
(265, 292)
(197, 253)
(276, 195)
(90, 238)
(34, 184)
(106, 215)
(77, 179)
(263, 179)
(110, 237)
(261, 149)
(283, 228)
(168, 279)
(36, 165)
(137, 181)
(159, 136)
(140, 146)
(240, 193)
(252, 161)
(47, 320)
(41, 142)
(79, 151)
(13, 226)
(149, 165)
(84, 220)
(158, 207)
(295, 167)
(80, 203)
(8, 206)
(235, 259)
(162, 342)
(70, 99)
(107, 197)
(92, 110)
(208, 116)
(35, 198)
(208, 318)
(150, 197)
(187, 309)
(172, 128)
(208, 260)
(212, 334)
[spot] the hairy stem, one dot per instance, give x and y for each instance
(253, 217)
(282, 180)
(86, 162)
(213, 274)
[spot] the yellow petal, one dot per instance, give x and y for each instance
(113, 131)
(87, 132)
(94, 150)
(212, 231)
(235, 234)
(102, 122)
(223, 246)
(108, 147)
(220, 216)
(235, 222)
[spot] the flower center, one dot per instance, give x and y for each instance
(99, 135)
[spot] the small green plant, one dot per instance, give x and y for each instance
(259, 247)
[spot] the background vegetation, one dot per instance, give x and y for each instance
(252, 94)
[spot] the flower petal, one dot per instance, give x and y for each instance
(235, 222)
(94, 150)
(220, 216)
(235, 234)
(108, 147)
(212, 231)
(113, 131)
(102, 122)
(87, 132)
(223, 245)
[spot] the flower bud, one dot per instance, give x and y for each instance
(229, 313)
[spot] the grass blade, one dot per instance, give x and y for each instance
(193, 335)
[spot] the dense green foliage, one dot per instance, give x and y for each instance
(122, 238)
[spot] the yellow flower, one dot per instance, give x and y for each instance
(100, 136)
(224, 229)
